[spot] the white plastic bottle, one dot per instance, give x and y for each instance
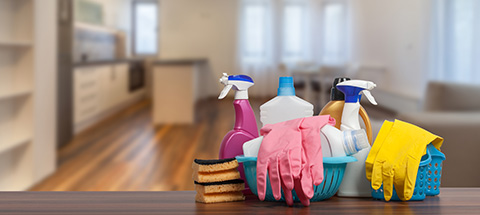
(355, 183)
(336, 143)
(285, 106)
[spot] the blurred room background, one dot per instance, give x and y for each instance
(122, 94)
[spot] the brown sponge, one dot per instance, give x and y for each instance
(217, 180)
(220, 187)
(217, 176)
(214, 165)
(219, 197)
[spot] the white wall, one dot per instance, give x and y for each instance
(393, 34)
(200, 29)
(45, 67)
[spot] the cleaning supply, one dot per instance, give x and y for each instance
(250, 148)
(355, 184)
(291, 153)
(420, 190)
(281, 150)
(220, 187)
(217, 181)
(395, 157)
(333, 168)
(285, 106)
(336, 143)
(334, 108)
(312, 147)
(434, 171)
(214, 165)
(245, 127)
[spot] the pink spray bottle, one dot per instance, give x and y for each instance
(245, 128)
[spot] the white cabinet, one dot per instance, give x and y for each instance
(120, 83)
(98, 90)
(114, 83)
(86, 93)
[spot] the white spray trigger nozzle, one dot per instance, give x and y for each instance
(225, 91)
(369, 97)
(240, 83)
(224, 79)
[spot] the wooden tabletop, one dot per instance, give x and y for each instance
(450, 201)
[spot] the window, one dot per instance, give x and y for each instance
(145, 19)
(254, 30)
(294, 31)
(287, 31)
(456, 48)
(334, 32)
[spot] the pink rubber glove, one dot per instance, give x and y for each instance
(280, 155)
(312, 172)
(291, 152)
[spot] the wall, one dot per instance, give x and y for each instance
(116, 15)
(393, 34)
(390, 34)
(44, 150)
(200, 29)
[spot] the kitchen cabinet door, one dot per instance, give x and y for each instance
(86, 93)
(106, 79)
(120, 84)
(114, 85)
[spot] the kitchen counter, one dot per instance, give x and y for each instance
(177, 85)
(103, 62)
(179, 61)
(450, 201)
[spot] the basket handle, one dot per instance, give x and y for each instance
(428, 160)
(242, 159)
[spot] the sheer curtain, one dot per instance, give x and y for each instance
(334, 32)
(256, 46)
(286, 32)
(455, 41)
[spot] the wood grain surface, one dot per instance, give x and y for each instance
(127, 153)
(450, 201)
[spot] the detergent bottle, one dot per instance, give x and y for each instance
(334, 108)
(355, 183)
(245, 127)
(336, 143)
(285, 106)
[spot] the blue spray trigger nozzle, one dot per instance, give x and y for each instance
(240, 78)
(352, 94)
(240, 83)
(352, 90)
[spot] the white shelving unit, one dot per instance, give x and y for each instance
(21, 63)
(15, 43)
(16, 96)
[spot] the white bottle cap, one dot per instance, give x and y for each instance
(354, 141)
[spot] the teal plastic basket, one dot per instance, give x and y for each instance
(434, 171)
(333, 169)
(419, 192)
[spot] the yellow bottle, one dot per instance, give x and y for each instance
(334, 108)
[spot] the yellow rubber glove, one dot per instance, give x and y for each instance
(395, 157)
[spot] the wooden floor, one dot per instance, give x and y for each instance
(126, 152)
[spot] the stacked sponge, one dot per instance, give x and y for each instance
(217, 180)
